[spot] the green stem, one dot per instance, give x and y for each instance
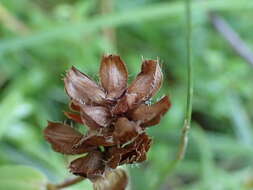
(187, 123)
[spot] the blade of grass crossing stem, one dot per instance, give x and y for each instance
(154, 12)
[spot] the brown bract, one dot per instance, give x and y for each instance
(113, 74)
(116, 116)
(112, 180)
(90, 166)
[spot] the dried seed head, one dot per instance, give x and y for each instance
(116, 117)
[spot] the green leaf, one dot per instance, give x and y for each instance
(16, 177)
(16, 107)
(154, 12)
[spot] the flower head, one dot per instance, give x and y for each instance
(116, 116)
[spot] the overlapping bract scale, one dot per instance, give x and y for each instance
(113, 74)
(146, 84)
(63, 138)
(81, 89)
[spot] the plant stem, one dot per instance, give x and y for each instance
(107, 7)
(187, 122)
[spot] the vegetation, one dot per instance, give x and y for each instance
(41, 39)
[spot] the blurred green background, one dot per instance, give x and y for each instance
(41, 39)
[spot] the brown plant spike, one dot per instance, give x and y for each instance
(116, 116)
